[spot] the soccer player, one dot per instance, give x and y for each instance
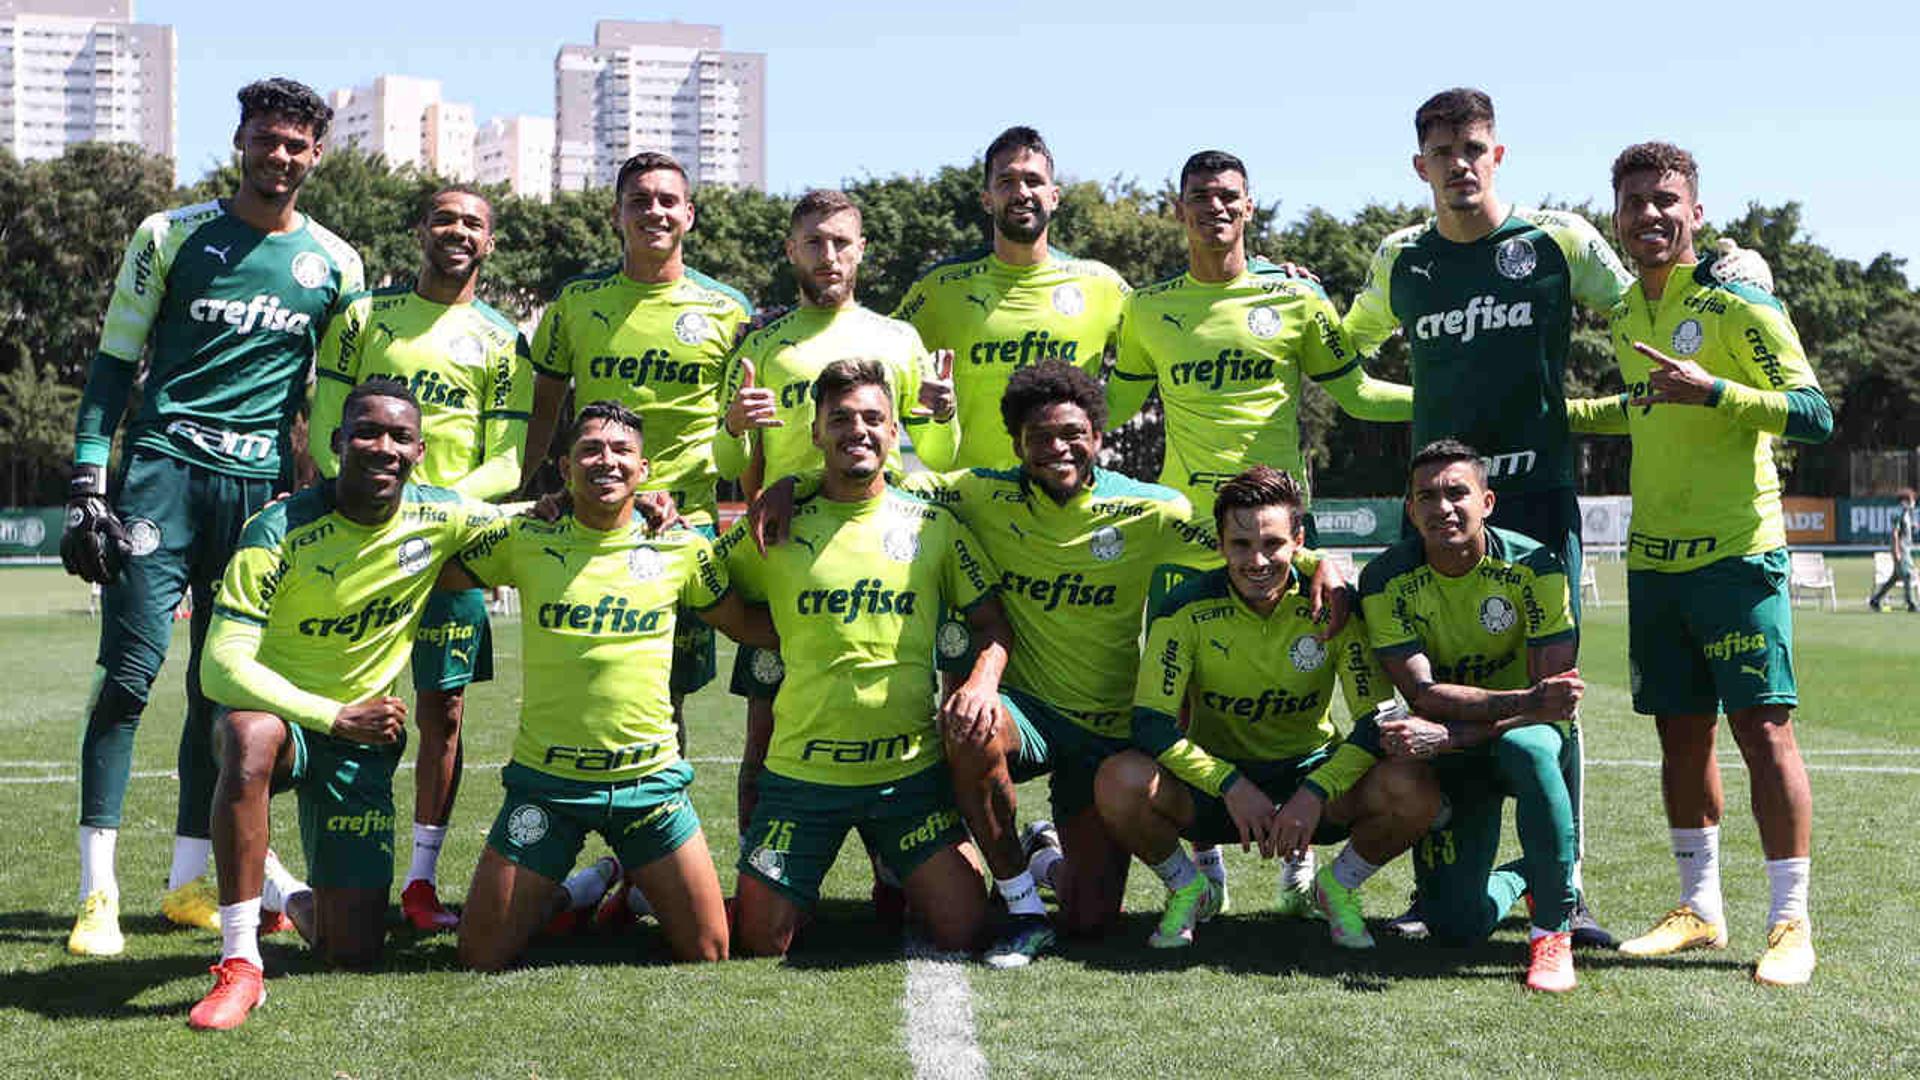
(653, 335)
(1474, 625)
(1900, 546)
(311, 625)
(467, 366)
(1236, 651)
(856, 595)
(1076, 546)
(596, 750)
(1015, 303)
(226, 300)
(1715, 374)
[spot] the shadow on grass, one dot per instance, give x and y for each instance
(90, 987)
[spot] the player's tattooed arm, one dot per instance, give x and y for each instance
(1450, 716)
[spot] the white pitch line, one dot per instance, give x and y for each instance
(158, 774)
(939, 1017)
(1889, 770)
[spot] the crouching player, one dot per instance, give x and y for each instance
(596, 749)
(312, 623)
(1475, 626)
(1237, 647)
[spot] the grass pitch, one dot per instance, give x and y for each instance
(1255, 995)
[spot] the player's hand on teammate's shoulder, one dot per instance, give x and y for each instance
(753, 407)
(1672, 381)
(770, 515)
(552, 506)
(1330, 599)
(658, 510)
(376, 721)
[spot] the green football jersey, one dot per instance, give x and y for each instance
(1228, 359)
(790, 352)
(338, 601)
(228, 318)
(596, 629)
(1475, 628)
(1704, 483)
(855, 595)
(1488, 325)
(659, 350)
(465, 363)
(997, 317)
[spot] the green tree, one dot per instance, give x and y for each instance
(36, 430)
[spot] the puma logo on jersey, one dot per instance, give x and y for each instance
(384, 328)
(329, 571)
(1424, 271)
(558, 556)
(1756, 672)
(981, 300)
(262, 312)
(1481, 313)
(1222, 646)
(806, 543)
(218, 253)
(602, 316)
(1176, 320)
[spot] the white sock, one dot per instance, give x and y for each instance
(1579, 883)
(190, 857)
(1045, 865)
(240, 931)
(1350, 870)
(426, 852)
(96, 861)
(1211, 863)
(1788, 877)
(586, 887)
(1022, 895)
(1296, 875)
(1177, 870)
(1696, 852)
(638, 903)
(280, 885)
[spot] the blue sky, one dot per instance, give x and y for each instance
(1777, 101)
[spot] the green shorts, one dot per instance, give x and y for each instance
(345, 792)
(757, 673)
(454, 644)
(1053, 742)
(798, 827)
(1715, 639)
(544, 820)
(1279, 779)
(694, 662)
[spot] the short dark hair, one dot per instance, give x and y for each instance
(1904, 493)
(647, 161)
(607, 412)
(1446, 452)
(822, 202)
(1012, 141)
(844, 376)
(378, 386)
(284, 97)
(1051, 382)
(1261, 485)
(1212, 161)
(432, 198)
(1659, 158)
(1455, 108)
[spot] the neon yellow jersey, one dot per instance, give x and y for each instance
(337, 602)
(465, 363)
(597, 623)
(1228, 359)
(855, 595)
(658, 350)
(1704, 483)
(997, 317)
(790, 352)
(1476, 628)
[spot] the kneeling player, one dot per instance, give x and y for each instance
(312, 623)
(1475, 626)
(1238, 647)
(597, 749)
(856, 597)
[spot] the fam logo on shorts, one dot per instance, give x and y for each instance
(692, 328)
(767, 667)
(1263, 322)
(416, 554)
(527, 824)
(1688, 337)
(310, 270)
(645, 564)
(1107, 544)
(1497, 614)
(769, 862)
(467, 351)
(143, 537)
(1069, 300)
(1307, 653)
(951, 640)
(900, 542)
(1516, 258)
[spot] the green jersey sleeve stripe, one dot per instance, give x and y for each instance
(1550, 639)
(1329, 376)
(329, 373)
(724, 593)
(1132, 377)
(1809, 416)
(228, 613)
(505, 414)
(1403, 648)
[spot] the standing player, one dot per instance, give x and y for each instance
(1236, 651)
(226, 300)
(1015, 303)
(1475, 626)
(466, 364)
(1715, 374)
(1900, 546)
(856, 596)
(596, 749)
(652, 335)
(313, 621)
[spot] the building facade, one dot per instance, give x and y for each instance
(75, 71)
(516, 151)
(405, 120)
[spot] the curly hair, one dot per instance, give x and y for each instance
(1051, 382)
(284, 97)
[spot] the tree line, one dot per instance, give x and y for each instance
(64, 223)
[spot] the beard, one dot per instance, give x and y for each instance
(1020, 233)
(818, 295)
